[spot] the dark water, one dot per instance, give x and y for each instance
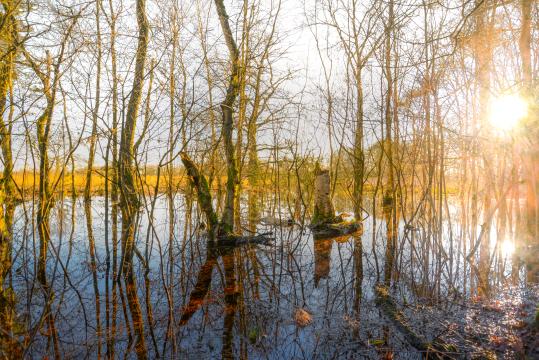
(244, 302)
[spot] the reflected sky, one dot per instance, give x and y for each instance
(240, 302)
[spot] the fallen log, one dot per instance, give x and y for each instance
(231, 240)
(437, 349)
(329, 230)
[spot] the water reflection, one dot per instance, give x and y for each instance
(239, 302)
(358, 267)
(201, 288)
(322, 259)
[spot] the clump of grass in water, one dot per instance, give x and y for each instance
(254, 334)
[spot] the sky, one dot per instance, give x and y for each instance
(305, 122)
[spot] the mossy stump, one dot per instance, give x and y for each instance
(324, 223)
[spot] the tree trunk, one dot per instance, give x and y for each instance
(389, 195)
(323, 207)
(227, 220)
(88, 186)
(358, 158)
(253, 175)
(129, 200)
(532, 172)
(114, 196)
(7, 188)
(45, 199)
(483, 60)
(203, 194)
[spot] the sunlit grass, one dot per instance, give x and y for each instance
(28, 183)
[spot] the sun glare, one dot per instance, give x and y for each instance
(507, 111)
(508, 248)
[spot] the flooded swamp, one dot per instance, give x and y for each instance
(296, 296)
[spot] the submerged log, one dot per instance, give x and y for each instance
(437, 349)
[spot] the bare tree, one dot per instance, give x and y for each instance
(129, 198)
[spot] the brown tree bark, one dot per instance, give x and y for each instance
(129, 201)
(7, 186)
(389, 194)
(483, 64)
(323, 207)
(203, 194)
(44, 195)
(532, 157)
(114, 196)
(227, 220)
(88, 185)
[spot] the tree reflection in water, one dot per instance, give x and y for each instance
(240, 301)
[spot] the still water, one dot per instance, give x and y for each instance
(298, 297)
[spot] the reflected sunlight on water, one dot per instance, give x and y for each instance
(245, 300)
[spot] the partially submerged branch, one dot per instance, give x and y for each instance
(226, 238)
(203, 192)
(437, 349)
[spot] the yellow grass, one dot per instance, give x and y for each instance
(28, 183)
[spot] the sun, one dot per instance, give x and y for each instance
(506, 111)
(508, 248)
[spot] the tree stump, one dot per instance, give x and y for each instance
(323, 207)
(324, 223)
